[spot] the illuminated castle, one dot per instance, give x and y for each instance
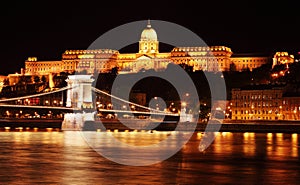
(215, 58)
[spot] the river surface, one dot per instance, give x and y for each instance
(233, 158)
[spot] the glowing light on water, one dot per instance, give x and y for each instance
(269, 138)
(199, 135)
(249, 143)
(294, 146)
(49, 129)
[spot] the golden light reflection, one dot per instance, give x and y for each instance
(294, 146)
(49, 129)
(26, 136)
(294, 138)
(249, 143)
(72, 138)
(226, 134)
(281, 151)
(222, 139)
(270, 145)
(199, 135)
(249, 136)
(20, 129)
(279, 137)
(142, 138)
(269, 138)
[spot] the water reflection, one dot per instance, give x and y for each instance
(66, 158)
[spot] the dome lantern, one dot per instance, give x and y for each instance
(149, 34)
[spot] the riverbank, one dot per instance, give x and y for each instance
(30, 123)
(263, 127)
(109, 124)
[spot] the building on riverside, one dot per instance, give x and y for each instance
(265, 102)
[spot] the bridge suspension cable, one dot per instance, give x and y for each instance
(128, 102)
(36, 95)
(38, 107)
(139, 112)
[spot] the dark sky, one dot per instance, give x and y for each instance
(47, 28)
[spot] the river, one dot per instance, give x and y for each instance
(55, 157)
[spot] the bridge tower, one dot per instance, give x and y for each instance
(79, 96)
(80, 93)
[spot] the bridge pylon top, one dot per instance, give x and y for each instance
(80, 95)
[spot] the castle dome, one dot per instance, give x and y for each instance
(149, 34)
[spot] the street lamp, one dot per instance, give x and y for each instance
(7, 113)
(227, 115)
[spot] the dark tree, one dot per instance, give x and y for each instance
(115, 70)
(36, 79)
(6, 81)
(60, 80)
(44, 79)
(22, 80)
(232, 67)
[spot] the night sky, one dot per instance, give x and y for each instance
(46, 29)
